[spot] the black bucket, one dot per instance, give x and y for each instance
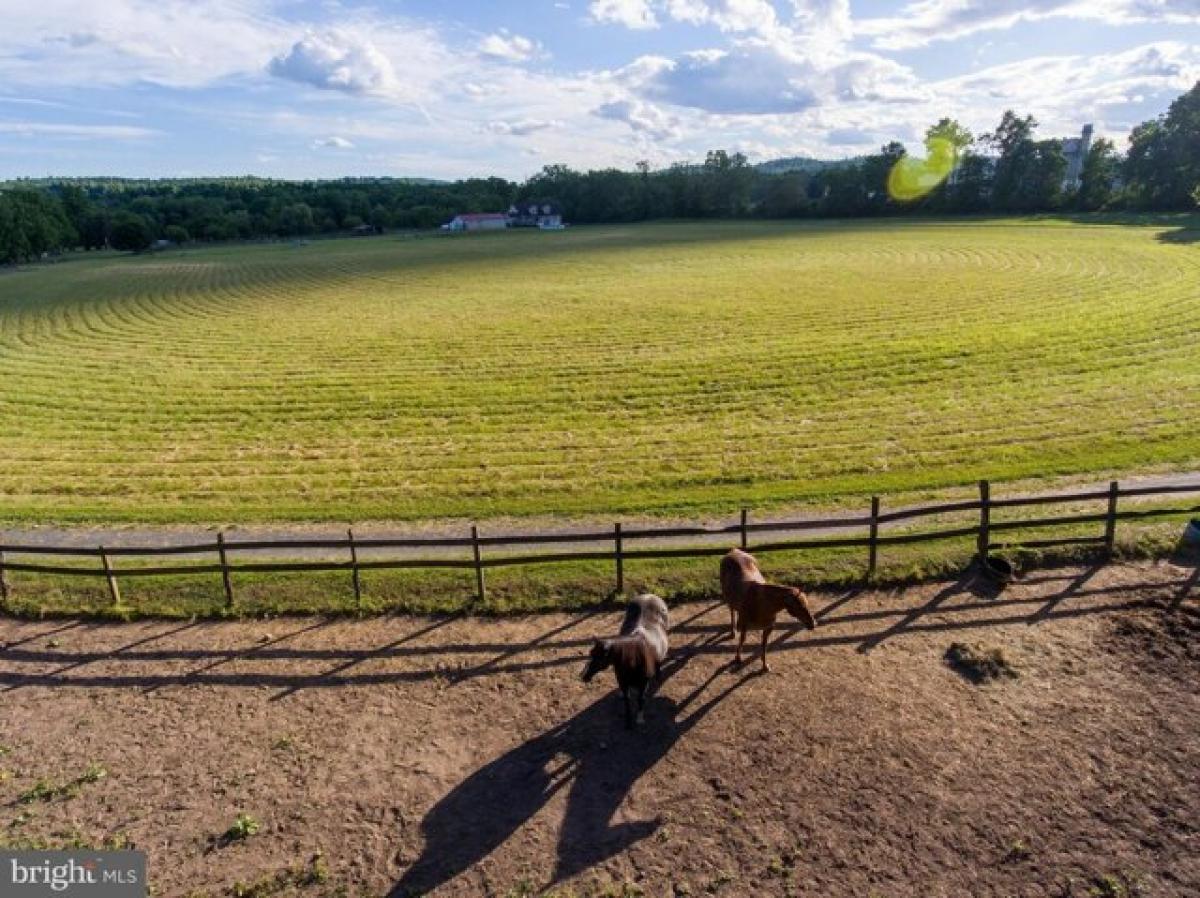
(999, 569)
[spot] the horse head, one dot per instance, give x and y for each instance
(599, 658)
(798, 608)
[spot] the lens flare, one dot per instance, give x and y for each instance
(910, 178)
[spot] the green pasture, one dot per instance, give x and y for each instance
(648, 370)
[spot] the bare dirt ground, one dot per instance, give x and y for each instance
(462, 756)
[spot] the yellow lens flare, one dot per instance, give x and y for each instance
(911, 178)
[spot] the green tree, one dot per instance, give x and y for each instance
(130, 232)
(1163, 163)
(13, 245)
(951, 132)
(296, 220)
(970, 187)
(727, 181)
(875, 170)
(95, 229)
(1029, 173)
(1100, 170)
(785, 195)
(34, 223)
(1013, 142)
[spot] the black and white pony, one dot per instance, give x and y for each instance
(636, 654)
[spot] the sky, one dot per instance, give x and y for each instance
(473, 88)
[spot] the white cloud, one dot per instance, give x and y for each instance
(727, 15)
(334, 142)
(643, 118)
(850, 136)
(508, 47)
(175, 43)
(636, 14)
(758, 77)
(337, 60)
(1085, 87)
(77, 132)
(926, 21)
(750, 80)
(519, 128)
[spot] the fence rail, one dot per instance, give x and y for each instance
(619, 536)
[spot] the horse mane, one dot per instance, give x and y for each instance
(645, 611)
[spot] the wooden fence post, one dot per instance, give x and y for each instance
(354, 569)
(985, 520)
(113, 589)
(1110, 524)
(226, 580)
(873, 555)
(620, 558)
(3, 582)
(480, 591)
(745, 533)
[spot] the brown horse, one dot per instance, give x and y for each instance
(636, 654)
(754, 604)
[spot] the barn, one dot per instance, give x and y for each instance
(478, 221)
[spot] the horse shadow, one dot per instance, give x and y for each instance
(592, 756)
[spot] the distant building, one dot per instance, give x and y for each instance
(478, 221)
(535, 214)
(1075, 149)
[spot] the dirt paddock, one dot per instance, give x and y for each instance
(463, 756)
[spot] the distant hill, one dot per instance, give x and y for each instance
(800, 163)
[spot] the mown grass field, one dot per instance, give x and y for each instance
(674, 369)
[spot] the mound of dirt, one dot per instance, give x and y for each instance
(978, 663)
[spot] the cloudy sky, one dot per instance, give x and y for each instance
(326, 88)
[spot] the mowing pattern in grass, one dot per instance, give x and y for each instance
(666, 369)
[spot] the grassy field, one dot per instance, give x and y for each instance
(648, 370)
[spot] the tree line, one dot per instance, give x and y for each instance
(1008, 170)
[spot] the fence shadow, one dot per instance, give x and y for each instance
(961, 605)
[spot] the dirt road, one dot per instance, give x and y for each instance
(184, 534)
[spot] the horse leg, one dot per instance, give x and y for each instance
(766, 635)
(737, 657)
(641, 714)
(732, 623)
(628, 709)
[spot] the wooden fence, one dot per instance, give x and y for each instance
(873, 521)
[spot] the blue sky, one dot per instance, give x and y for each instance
(330, 88)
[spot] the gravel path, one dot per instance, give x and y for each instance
(161, 536)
